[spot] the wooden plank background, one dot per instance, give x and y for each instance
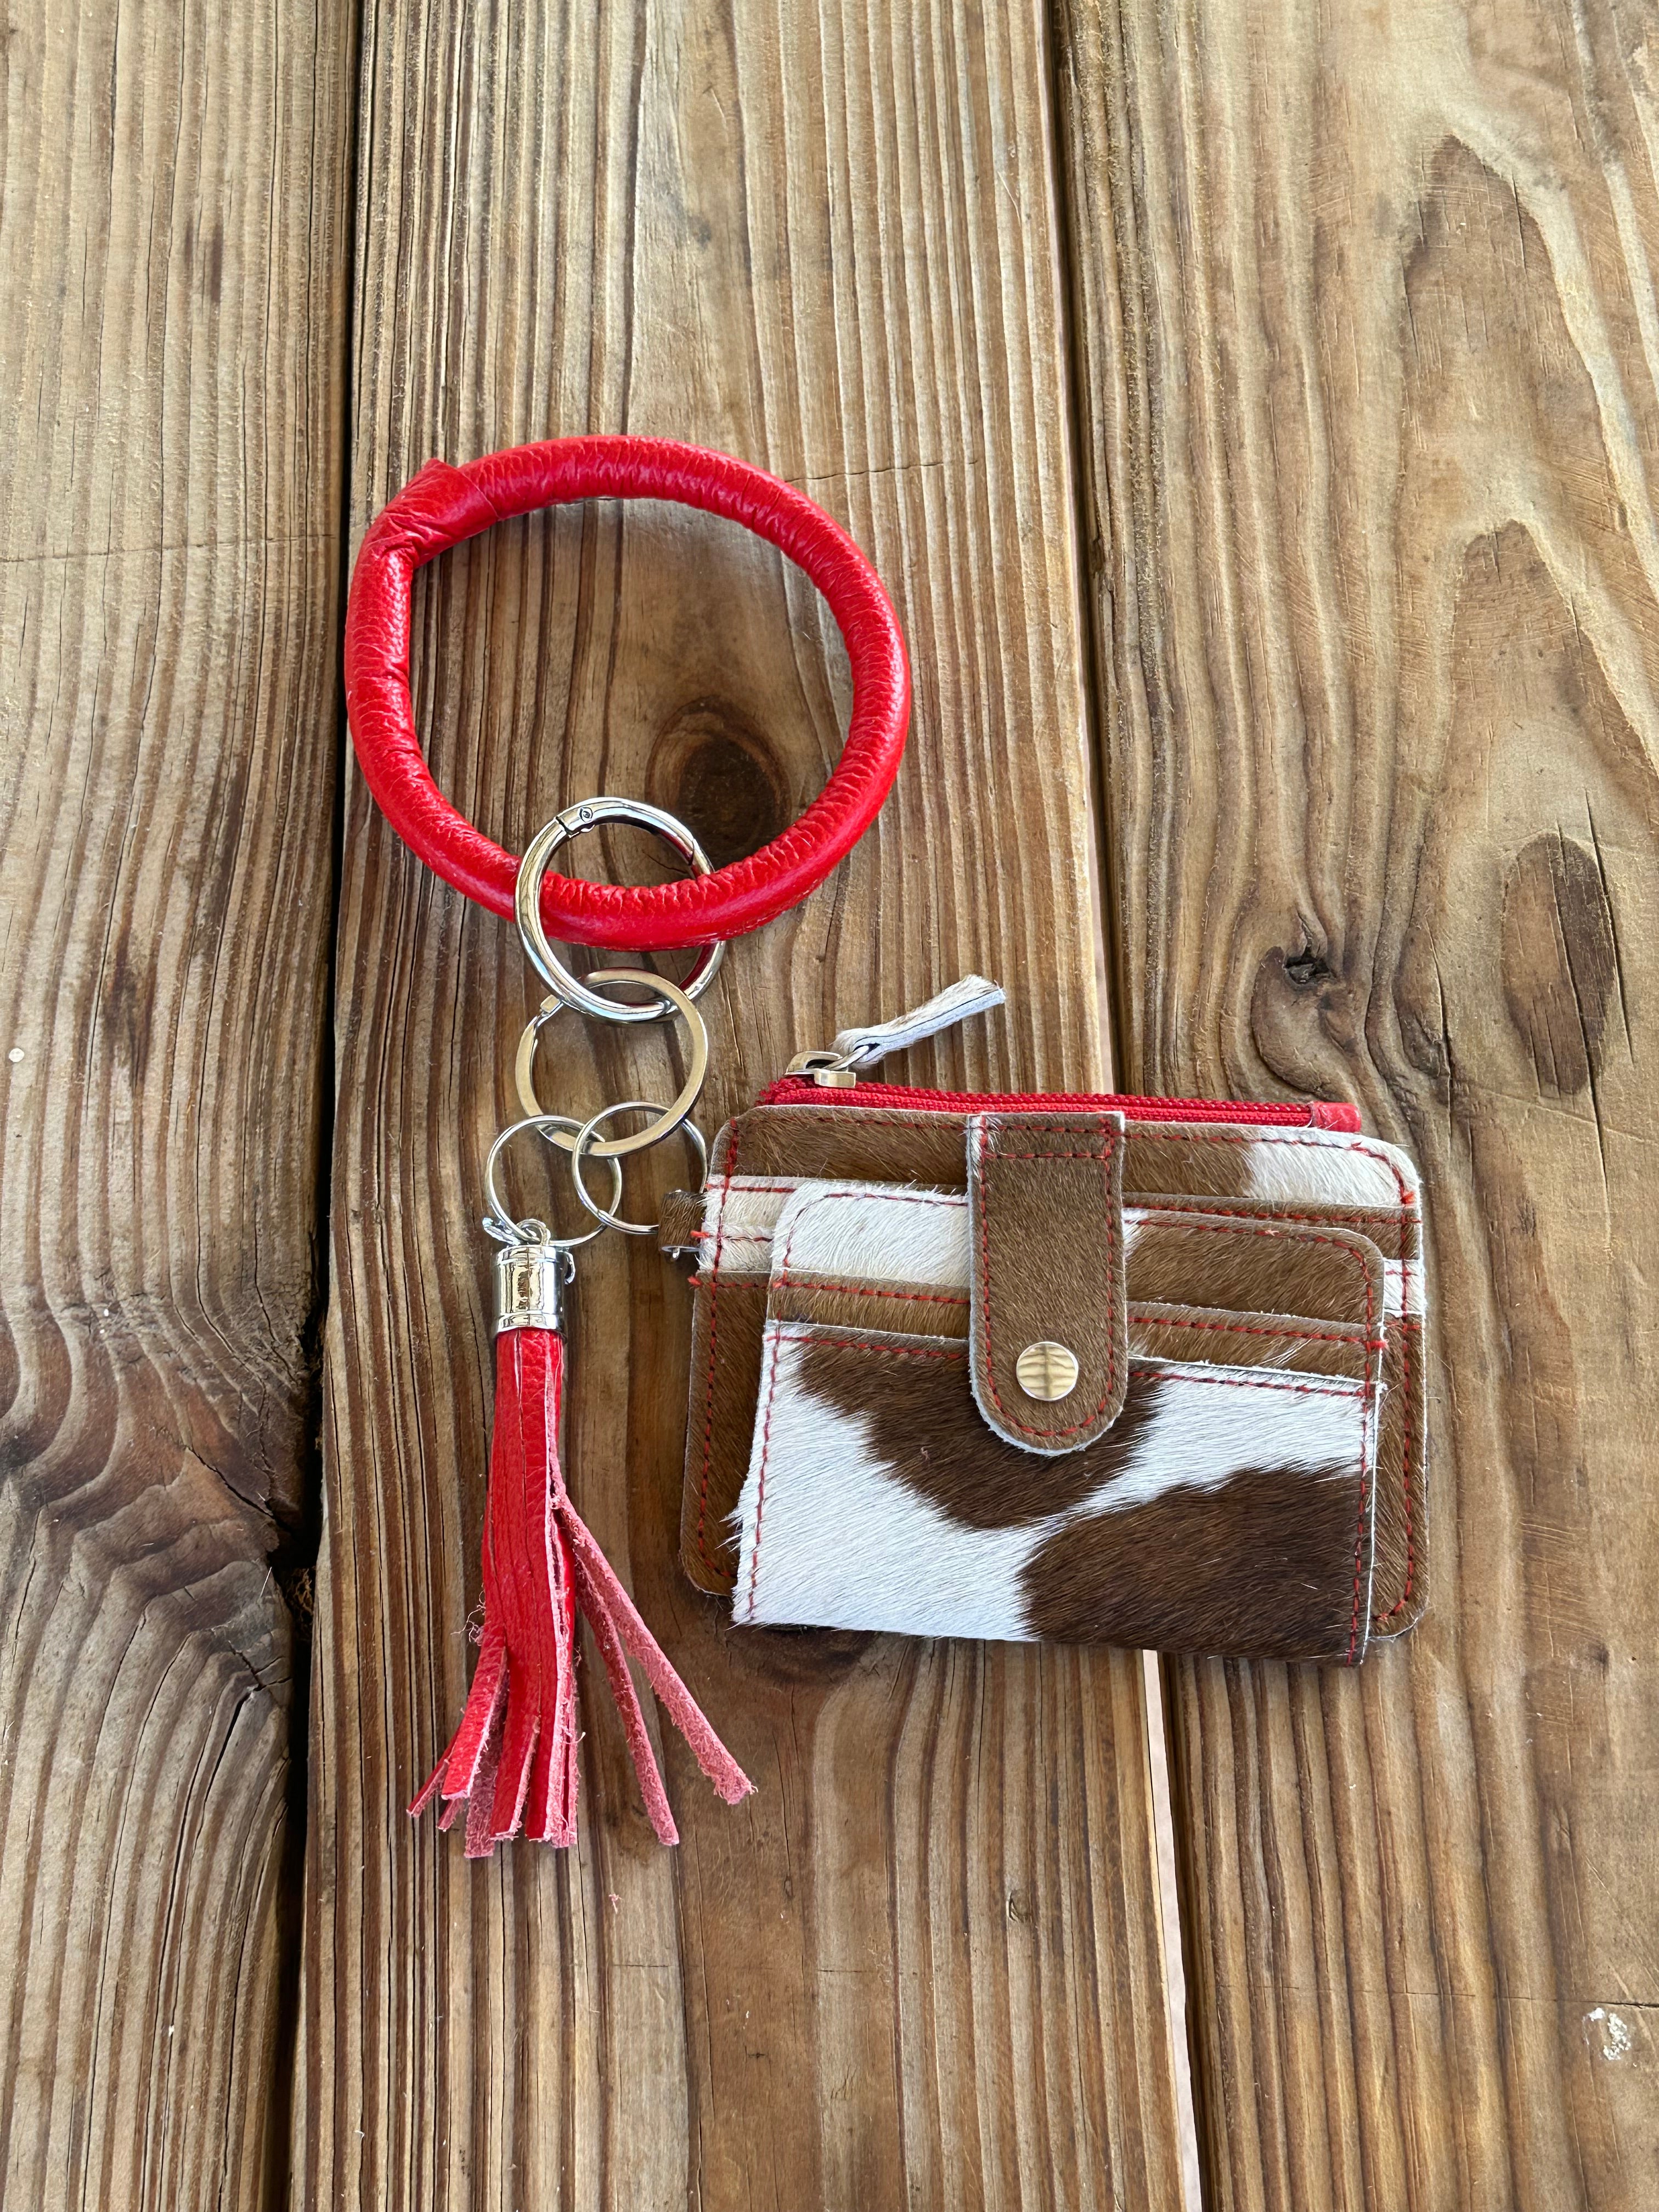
(1366, 315)
(923, 1965)
(174, 232)
(1258, 402)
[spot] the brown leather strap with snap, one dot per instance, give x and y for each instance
(1049, 1328)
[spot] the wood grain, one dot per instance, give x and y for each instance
(922, 1966)
(172, 223)
(1365, 303)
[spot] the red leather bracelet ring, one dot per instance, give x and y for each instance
(443, 506)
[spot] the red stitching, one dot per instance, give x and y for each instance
(759, 1190)
(1259, 1136)
(1050, 1155)
(801, 1336)
(759, 1491)
(1109, 1139)
(1318, 1113)
(821, 1198)
(1230, 1228)
(1233, 1228)
(1335, 1386)
(870, 1290)
(1148, 1203)
(1139, 1320)
(1245, 1328)
(1278, 1132)
(847, 1343)
(708, 1411)
(1365, 1479)
(1248, 1226)
(804, 1331)
(1410, 1357)
(721, 1233)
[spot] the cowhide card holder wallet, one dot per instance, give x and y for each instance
(1120, 1370)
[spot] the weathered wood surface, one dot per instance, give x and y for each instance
(173, 229)
(1366, 312)
(922, 1966)
(1364, 308)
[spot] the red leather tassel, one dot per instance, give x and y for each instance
(512, 1760)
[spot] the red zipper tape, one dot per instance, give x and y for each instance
(1315, 1114)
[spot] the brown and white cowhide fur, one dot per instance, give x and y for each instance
(1356, 1183)
(1227, 1509)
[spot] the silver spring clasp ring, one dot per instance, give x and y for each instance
(528, 907)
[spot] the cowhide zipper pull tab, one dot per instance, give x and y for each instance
(854, 1050)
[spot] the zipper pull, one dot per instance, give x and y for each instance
(839, 1068)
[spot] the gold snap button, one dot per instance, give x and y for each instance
(1047, 1370)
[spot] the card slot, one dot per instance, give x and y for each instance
(1225, 1511)
(1195, 1334)
(1214, 1334)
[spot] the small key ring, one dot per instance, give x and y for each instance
(527, 903)
(502, 1226)
(613, 1148)
(605, 1217)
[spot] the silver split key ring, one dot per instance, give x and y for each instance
(669, 1118)
(505, 1228)
(582, 1143)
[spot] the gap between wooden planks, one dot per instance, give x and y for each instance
(923, 1965)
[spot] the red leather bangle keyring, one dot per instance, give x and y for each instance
(444, 505)
(511, 1763)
